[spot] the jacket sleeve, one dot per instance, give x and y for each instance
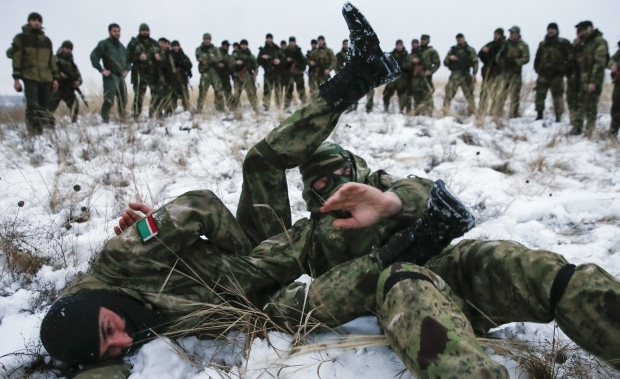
(108, 370)
(96, 55)
(601, 56)
(537, 58)
(53, 65)
(435, 62)
(474, 61)
(525, 57)
(413, 193)
(18, 56)
(446, 61)
(615, 60)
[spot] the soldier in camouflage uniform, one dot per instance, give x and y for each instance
(591, 56)
(143, 55)
(182, 74)
(34, 64)
(209, 59)
(514, 54)
(401, 85)
(70, 80)
(311, 81)
(295, 66)
(432, 62)
(551, 63)
(283, 71)
(321, 61)
(164, 97)
(614, 66)
(225, 74)
(341, 58)
(244, 68)
(270, 59)
(490, 71)
(415, 68)
(460, 60)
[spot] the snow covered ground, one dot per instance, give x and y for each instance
(526, 182)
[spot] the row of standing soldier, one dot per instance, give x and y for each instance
(165, 69)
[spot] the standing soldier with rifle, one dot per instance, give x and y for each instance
(295, 66)
(164, 92)
(490, 71)
(512, 57)
(551, 63)
(70, 81)
(245, 69)
(114, 71)
(401, 85)
(269, 58)
(614, 66)
(460, 60)
(209, 58)
(283, 72)
(322, 61)
(432, 61)
(311, 81)
(143, 55)
(415, 67)
(182, 72)
(591, 55)
(223, 70)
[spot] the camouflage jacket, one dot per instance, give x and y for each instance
(249, 65)
(553, 57)
(68, 68)
(513, 56)
(592, 55)
(141, 70)
(414, 69)
(467, 59)
(615, 61)
(323, 57)
(225, 72)
(400, 56)
(431, 57)
(181, 61)
(298, 62)
(268, 65)
(166, 68)
(341, 57)
(491, 68)
(33, 57)
(211, 55)
(113, 54)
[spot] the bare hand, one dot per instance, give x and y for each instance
(76, 84)
(312, 63)
(106, 73)
(254, 75)
(614, 69)
(485, 49)
(17, 85)
(142, 57)
(327, 71)
(239, 62)
(454, 58)
(129, 217)
(591, 87)
(265, 56)
(473, 79)
(157, 56)
(416, 60)
(203, 61)
(367, 205)
(428, 73)
(220, 65)
(125, 74)
(55, 86)
(289, 59)
(62, 75)
(276, 61)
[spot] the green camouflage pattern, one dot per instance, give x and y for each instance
(400, 86)
(68, 74)
(512, 57)
(420, 89)
(432, 61)
(243, 77)
(341, 57)
(295, 77)
(33, 57)
(491, 71)
(182, 72)
(461, 75)
(272, 78)
(162, 99)
(591, 56)
(555, 84)
(225, 76)
(551, 64)
(144, 74)
(324, 59)
(208, 57)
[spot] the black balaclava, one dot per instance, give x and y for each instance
(70, 329)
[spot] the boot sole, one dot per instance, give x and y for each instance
(449, 205)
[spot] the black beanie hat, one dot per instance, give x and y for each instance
(35, 16)
(70, 329)
(292, 39)
(244, 42)
(67, 44)
(269, 35)
(500, 31)
(460, 35)
(313, 42)
(553, 25)
(320, 38)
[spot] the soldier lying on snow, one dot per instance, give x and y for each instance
(152, 276)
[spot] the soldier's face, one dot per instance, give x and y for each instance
(313, 45)
(292, 44)
(321, 43)
(424, 41)
(225, 48)
(514, 36)
(145, 33)
(269, 41)
(415, 45)
(497, 36)
(399, 47)
(551, 32)
(66, 50)
(115, 33)
(176, 48)
(206, 41)
(35, 24)
(345, 45)
(162, 45)
(460, 40)
(112, 335)
(243, 47)
(283, 46)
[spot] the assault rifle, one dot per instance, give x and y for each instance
(79, 91)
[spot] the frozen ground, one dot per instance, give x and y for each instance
(525, 182)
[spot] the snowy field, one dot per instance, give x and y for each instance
(525, 182)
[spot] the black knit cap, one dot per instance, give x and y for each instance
(35, 16)
(460, 35)
(175, 43)
(320, 38)
(225, 42)
(292, 39)
(553, 25)
(500, 31)
(313, 42)
(584, 24)
(269, 35)
(244, 42)
(399, 41)
(67, 45)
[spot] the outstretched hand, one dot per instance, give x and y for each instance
(366, 204)
(129, 217)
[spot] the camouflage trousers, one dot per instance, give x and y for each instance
(247, 84)
(555, 84)
(400, 87)
(460, 79)
(509, 85)
(315, 80)
(295, 80)
(572, 95)
(586, 108)
(615, 110)
(227, 89)
(272, 84)
(421, 91)
(66, 94)
(180, 92)
(210, 79)
(140, 84)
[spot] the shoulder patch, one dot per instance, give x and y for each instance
(147, 228)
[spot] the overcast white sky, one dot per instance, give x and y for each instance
(85, 22)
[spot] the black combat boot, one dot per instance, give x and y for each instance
(367, 67)
(445, 219)
(540, 115)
